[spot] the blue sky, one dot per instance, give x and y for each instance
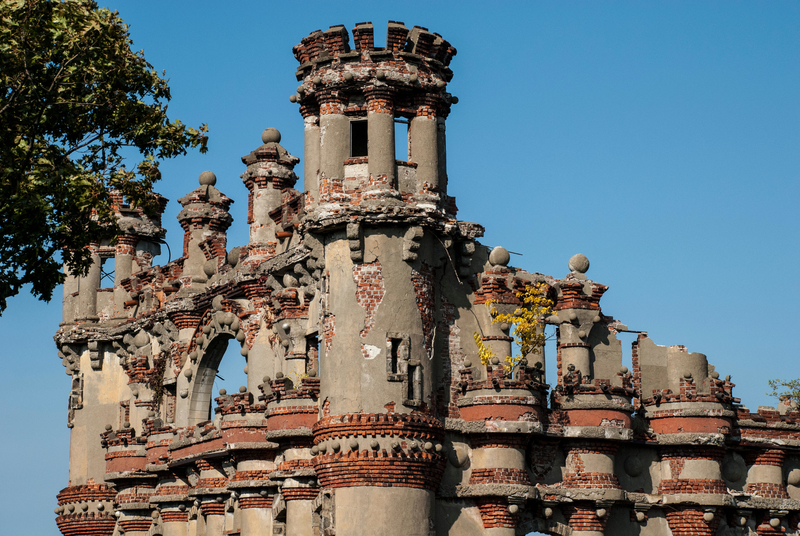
(660, 139)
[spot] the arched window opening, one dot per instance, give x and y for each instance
(220, 367)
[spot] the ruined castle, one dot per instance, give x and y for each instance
(368, 409)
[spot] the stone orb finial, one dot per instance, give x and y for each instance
(271, 135)
(793, 478)
(207, 178)
(579, 263)
(499, 256)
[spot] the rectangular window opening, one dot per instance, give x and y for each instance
(412, 375)
(393, 369)
(401, 140)
(358, 139)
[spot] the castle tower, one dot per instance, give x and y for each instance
(377, 366)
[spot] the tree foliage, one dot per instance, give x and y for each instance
(785, 389)
(74, 101)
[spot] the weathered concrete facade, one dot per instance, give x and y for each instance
(367, 409)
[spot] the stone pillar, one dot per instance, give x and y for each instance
(123, 266)
(380, 136)
(334, 139)
(311, 154)
(214, 514)
(87, 286)
(256, 512)
(586, 520)
(590, 464)
(69, 308)
(441, 159)
(134, 525)
(175, 522)
(497, 516)
(299, 508)
(692, 521)
(765, 474)
(424, 143)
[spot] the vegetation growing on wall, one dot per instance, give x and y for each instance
(527, 321)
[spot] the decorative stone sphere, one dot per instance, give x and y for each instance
(733, 471)
(708, 517)
(242, 389)
(601, 512)
(499, 256)
(513, 508)
(207, 178)
(640, 516)
(579, 263)
(633, 465)
(775, 522)
(793, 478)
(233, 255)
(108, 428)
(141, 339)
(271, 135)
(312, 373)
(223, 392)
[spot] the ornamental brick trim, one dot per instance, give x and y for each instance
(494, 513)
(690, 522)
(86, 524)
(691, 485)
(213, 509)
(591, 480)
(584, 519)
(258, 474)
(773, 457)
(136, 525)
(499, 476)
(255, 502)
(767, 490)
(413, 426)
(485, 441)
(174, 517)
(299, 494)
(382, 469)
(86, 493)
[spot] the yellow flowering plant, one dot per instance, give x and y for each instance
(527, 321)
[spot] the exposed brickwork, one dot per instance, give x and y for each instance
(690, 522)
(494, 513)
(426, 301)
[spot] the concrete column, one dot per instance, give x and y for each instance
(576, 354)
(299, 514)
(174, 522)
(334, 140)
(69, 305)
(397, 511)
(123, 267)
(441, 147)
(88, 285)
(256, 514)
(214, 514)
(380, 136)
(765, 474)
(424, 149)
(311, 153)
